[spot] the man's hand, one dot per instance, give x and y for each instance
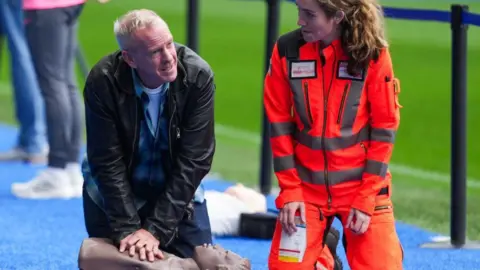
(142, 242)
(358, 221)
(287, 216)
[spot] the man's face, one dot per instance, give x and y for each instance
(152, 52)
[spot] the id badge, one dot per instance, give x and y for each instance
(292, 247)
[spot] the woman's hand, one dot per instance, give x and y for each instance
(358, 221)
(287, 216)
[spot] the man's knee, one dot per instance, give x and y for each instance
(200, 215)
(193, 231)
(96, 223)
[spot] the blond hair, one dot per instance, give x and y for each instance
(125, 26)
(363, 35)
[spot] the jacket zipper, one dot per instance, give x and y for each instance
(326, 93)
(309, 111)
(169, 129)
(342, 103)
(382, 207)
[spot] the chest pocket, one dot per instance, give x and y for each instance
(349, 104)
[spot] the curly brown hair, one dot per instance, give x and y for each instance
(362, 34)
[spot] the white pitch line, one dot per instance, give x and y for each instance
(432, 176)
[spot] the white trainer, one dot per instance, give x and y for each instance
(51, 183)
(76, 178)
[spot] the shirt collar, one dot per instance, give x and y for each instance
(139, 88)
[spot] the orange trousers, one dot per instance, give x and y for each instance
(377, 249)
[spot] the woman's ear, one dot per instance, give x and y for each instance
(339, 16)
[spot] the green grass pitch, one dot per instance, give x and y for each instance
(232, 40)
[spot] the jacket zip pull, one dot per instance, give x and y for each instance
(342, 103)
(362, 145)
(178, 133)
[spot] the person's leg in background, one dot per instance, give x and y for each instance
(49, 36)
(73, 166)
(29, 104)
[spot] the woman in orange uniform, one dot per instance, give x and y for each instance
(332, 100)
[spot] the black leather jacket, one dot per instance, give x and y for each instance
(113, 115)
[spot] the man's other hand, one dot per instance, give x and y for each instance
(142, 242)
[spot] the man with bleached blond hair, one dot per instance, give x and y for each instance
(150, 142)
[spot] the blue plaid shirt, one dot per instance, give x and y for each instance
(152, 142)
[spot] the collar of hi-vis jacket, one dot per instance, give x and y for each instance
(332, 50)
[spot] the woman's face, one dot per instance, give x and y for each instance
(314, 23)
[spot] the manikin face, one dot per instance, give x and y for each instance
(314, 23)
(215, 257)
(152, 53)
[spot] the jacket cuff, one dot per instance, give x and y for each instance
(365, 204)
(289, 195)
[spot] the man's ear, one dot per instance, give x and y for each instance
(126, 56)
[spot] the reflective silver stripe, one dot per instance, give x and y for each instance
(299, 101)
(334, 177)
(376, 167)
(351, 107)
(337, 143)
(383, 135)
(331, 144)
(280, 129)
(283, 163)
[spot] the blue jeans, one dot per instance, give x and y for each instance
(29, 104)
(52, 37)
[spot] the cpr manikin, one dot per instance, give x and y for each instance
(100, 254)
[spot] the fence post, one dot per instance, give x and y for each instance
(458, 213)
(2, 40)
(273, 20)
(458, 162)
(192, 25)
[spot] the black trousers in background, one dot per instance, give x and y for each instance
(52, 38)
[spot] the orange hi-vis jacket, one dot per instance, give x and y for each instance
(332, 133)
